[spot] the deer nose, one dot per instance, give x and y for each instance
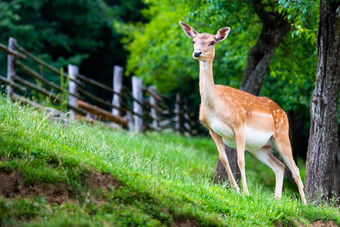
(197, 53)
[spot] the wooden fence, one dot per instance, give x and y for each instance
(141, 109)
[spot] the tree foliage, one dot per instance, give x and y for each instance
(295, 63)
(65, 31)
(161, 53)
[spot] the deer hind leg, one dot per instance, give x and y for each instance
(268, 159)
(220, 147)
(240, 146)
(282, 144)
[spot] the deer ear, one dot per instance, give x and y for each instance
(222, 34)
(191, 33)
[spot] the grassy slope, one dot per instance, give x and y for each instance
(164, 179)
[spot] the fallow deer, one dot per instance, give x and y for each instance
(241, 120)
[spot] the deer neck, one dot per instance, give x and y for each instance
(206, 83)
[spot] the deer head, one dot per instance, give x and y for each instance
(204, 44)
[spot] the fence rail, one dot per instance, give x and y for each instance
(139, 109)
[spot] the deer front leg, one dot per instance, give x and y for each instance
(240, 146)
(223, 156)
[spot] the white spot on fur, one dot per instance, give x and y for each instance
(262, 114)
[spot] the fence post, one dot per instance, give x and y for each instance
(73, 71)
(11, 67)
(137, 108)
(129, 118)
(153, 113)
(117, 87)
(178, 117)
(187, 119)
(186, 125)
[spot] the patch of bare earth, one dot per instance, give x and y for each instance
(12, 185)
(324, 224)
(103, 181)
(314, 224)
(184, 223)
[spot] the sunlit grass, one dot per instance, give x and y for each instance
(164, 178)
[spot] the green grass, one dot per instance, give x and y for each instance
(164, 179)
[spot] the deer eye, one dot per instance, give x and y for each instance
(193, 42)
(211, 43)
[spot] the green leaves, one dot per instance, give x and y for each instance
(160, 52)
(64, 32)
(304, 16)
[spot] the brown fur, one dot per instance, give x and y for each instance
(241, 119)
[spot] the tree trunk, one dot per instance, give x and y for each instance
(274, 29)
(337, 172)
(323, 138)
(220, 174)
